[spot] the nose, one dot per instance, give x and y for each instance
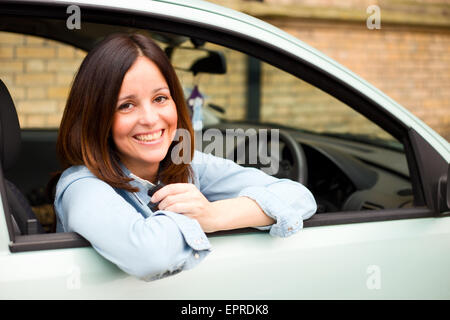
(148, 114)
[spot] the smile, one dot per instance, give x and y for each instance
(149, 137)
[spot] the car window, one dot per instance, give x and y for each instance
(289, 101)
(353, 164)
(38, 72)
(283, 98)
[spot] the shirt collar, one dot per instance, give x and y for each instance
(142, 184)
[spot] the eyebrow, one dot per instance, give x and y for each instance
(132, 96)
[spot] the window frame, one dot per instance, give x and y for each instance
(424, 203)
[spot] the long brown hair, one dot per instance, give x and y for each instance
(85, 133)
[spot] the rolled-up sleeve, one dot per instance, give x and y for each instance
(149, 248)
(286, 201)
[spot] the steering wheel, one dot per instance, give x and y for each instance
(289, 157)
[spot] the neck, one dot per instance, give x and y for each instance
(149, 173)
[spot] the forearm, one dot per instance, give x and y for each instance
(239, 212)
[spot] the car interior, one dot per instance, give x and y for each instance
(346, 170)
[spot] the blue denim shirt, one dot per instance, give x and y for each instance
(151, 245)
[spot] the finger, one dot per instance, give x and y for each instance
(170, 189)
(180, 207)
(175, 198)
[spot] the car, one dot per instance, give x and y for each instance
(379, 174)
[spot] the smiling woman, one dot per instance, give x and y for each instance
(97, 87)
(116, 135)
(140, 148)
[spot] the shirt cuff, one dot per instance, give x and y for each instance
(194, 237)
(190, 228)
(287, 221)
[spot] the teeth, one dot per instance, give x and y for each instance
(149, 137)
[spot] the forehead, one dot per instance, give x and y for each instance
(143, 73)
(145, 68)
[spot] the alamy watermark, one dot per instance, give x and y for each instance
(74, 20)
(248, 146)
(73, 280)
(373, 281)
(374, 20)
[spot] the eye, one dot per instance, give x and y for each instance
(161, 99)
(125, 107)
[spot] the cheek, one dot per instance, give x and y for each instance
(172, 120)
(120, 128)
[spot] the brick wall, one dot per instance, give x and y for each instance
(38, 73)
(408, 58)
(411, 65)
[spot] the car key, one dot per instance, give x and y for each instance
(151, 192)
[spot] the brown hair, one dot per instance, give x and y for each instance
(85, 133)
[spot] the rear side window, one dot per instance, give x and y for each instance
(38, 73)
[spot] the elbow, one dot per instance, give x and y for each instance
(144, 261)
(147, 268)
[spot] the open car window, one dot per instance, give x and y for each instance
(353, 164)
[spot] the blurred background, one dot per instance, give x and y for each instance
(407, 58)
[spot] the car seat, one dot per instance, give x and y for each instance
(23, 217)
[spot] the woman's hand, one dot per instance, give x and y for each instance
(227, 214)
(186, 199)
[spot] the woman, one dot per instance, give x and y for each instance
(115, 143)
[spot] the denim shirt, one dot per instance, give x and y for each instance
(151, 245)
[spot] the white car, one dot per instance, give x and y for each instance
(379, 174)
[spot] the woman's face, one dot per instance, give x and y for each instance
(145, 121)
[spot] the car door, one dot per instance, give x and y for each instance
(394, 252)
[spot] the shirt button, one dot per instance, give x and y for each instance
(196, 255)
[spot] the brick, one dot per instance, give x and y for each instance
(33, 65)
(37, 93)
(35, 52)
(65, 78)
(6, 52)
(64, 65)
(80, 53)
(54, 120)
(58, 92)
(35, 40)
(8, 79)
(36, 121)
(60, 105)
(35, 79)
(11, 38)
(36, 107)
(22, 120)
(17, 93)
(65, 52)
(11, 66)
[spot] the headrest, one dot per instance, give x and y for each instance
(9, 129)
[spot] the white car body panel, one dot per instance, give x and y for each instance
(332, 262)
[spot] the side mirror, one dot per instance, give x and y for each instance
(444, 192)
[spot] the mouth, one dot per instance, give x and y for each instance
(149, 138)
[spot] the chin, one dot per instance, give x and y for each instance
(155, 157)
